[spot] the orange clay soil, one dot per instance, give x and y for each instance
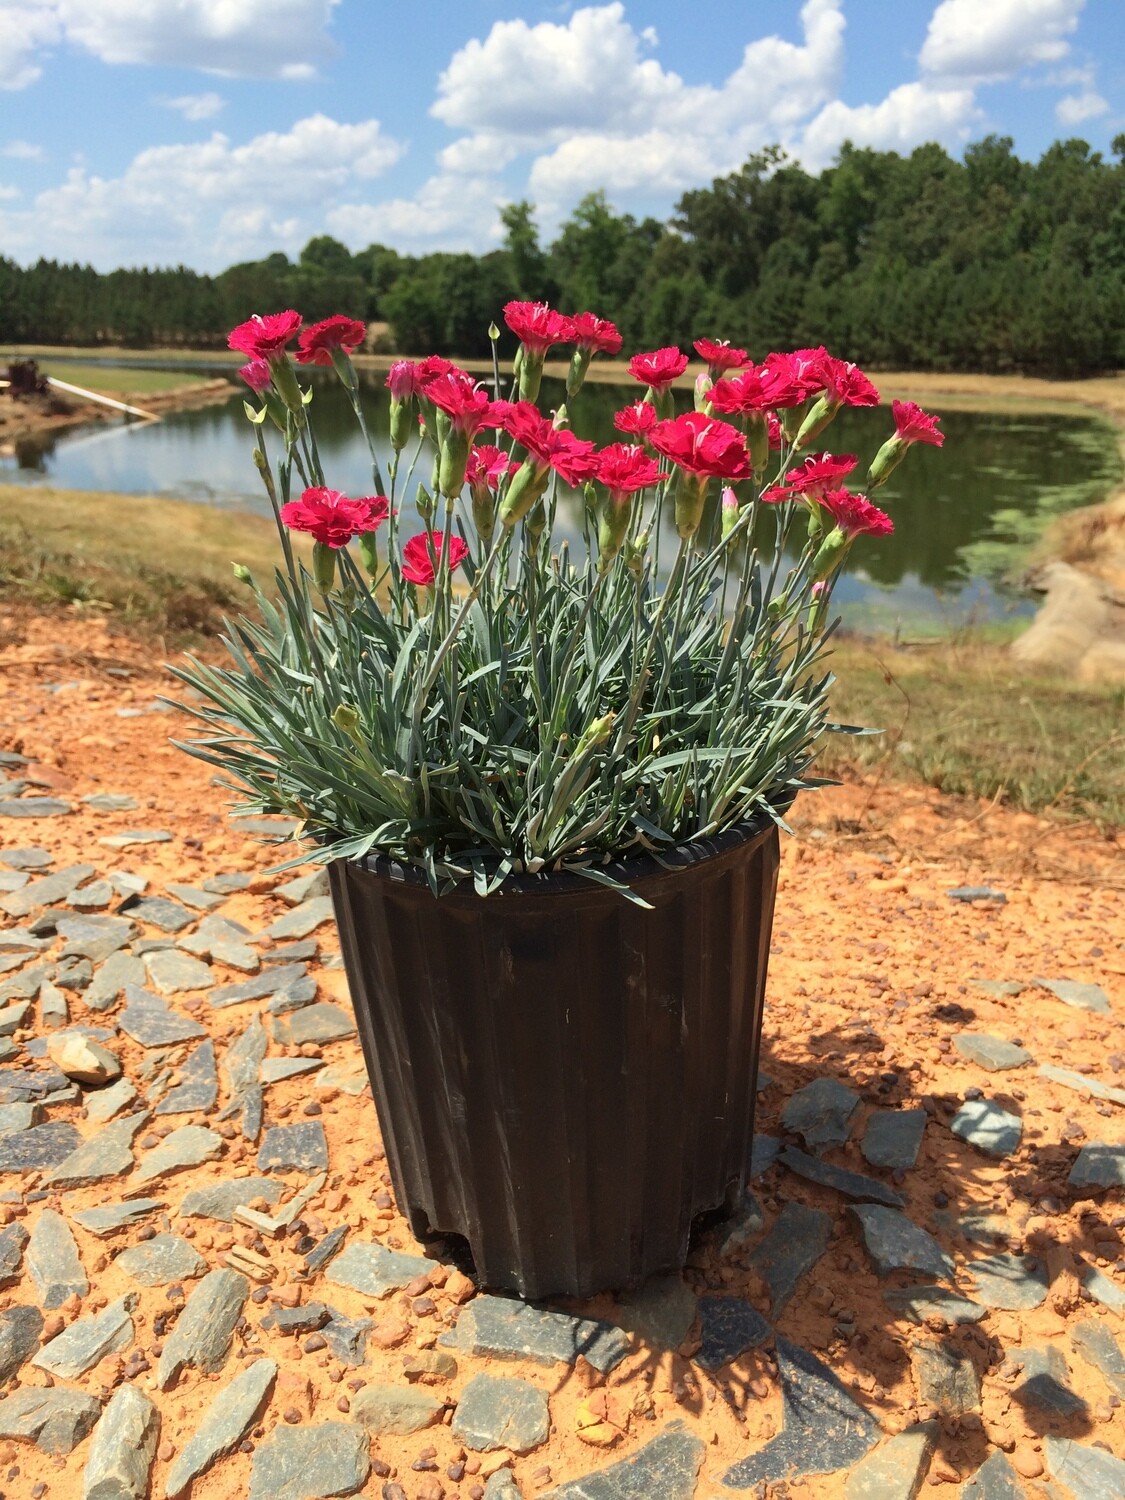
(872, 974)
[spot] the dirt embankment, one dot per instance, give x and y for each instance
(25, 418)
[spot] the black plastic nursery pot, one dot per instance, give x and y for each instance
(561, 1077)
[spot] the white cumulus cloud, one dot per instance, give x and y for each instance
(910, 114)
(238, 38)
(988, 40)
(196, 106)
(23, 151)
(1072, 109)
(207, 204)
(447, 212)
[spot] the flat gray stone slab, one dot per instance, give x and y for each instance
(1089, 1473)
(374, 1270)
(87, 1340)
(322, 1022)
(1081, 996)
(667, 1468)
(304, 887)
(796, 1242)
(971, 893)
(347, 1338)
(945, 1377)
(1096, 1284)
(203, 1332)
(13, 1240)
(893, 1138)
(212, 930)
(111, 1218)
(225, 1423)
(267, 828)
(850, 1184)
(111, 802)
(661, 1312)
(319, 1256)
(123, 1447)
(93, 935)
(33, 807)
(1092, 1087)
(186, 1147)
(395, 1409)
(21, 938)
(47, 891)
(287, 953)
(172, 973)
(303, 919)
(282, 977)
(1015, 1283)
(1098, 1347)
(53, 1260)
(994, 1480)
(17, 1117)
(506, 1328)
(1043, 1382)
(27, 858)
(895, 1470)
(922, 1303)
(162, 1260)
(242, 1061)
(108, 1153)
(218, 1200)
(227, 884)
(20, 1328)
(55, 1420)
(824, 1430)
(93, 897)
(497, 1412)
(1098, 1165)
(309, 1463)
(986, 1126)
(728, 1326)
(111, 978)
(150, 1021)
(274, 1069)
(991, 1052)
(159, 912)
(194, 896)
(894, 1243)
(821, 1113)
(37, 1149)
(198, 1085)
(294, 1148)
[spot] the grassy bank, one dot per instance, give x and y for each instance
(160, 567)
(120, 382)
(957, 714)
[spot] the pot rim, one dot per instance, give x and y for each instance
(634, 872)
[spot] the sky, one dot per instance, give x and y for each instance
(206, 132)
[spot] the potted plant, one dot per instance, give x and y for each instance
(548, 778)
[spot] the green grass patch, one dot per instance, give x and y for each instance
(961, 716)
(161, 567)
(119, 382)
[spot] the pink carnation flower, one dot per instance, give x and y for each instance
(421, 552)
(720, 357)
(913, 425)
(855, 515)
(624, 469)
(333, 519)
(595, 335)
(487, 466)
(703, 445)
(820, 471)
(262, 338)
(658, 369)
(636, 420)
(256, 374)
(538, 326)
(316, 344)
(468, 406)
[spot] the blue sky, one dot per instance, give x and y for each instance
(204, 132)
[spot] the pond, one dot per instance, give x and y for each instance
(964, 515)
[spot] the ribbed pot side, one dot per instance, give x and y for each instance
(561, 1076)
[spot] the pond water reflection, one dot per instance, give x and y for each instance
(962, 513)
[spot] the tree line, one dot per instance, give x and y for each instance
(923, 261)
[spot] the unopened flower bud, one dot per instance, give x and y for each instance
(758, 442)
(596, 734)
(535, 526)
(402, 423)
(830, 554)
(425, 504)
(613, 526)
(528, 484)
(561, 418)
(531, 374)
(579, 364)
(369, 551)
(819, 415)
(634, 554)
(324, 566)
(493, 332)
(886, 461)
(590, 495)
(691, 492)
(703, 384)
(243, 574)
(454, 459)
(730, 511)
(346, 719)
(484, 513)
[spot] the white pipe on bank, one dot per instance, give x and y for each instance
(77, 390)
